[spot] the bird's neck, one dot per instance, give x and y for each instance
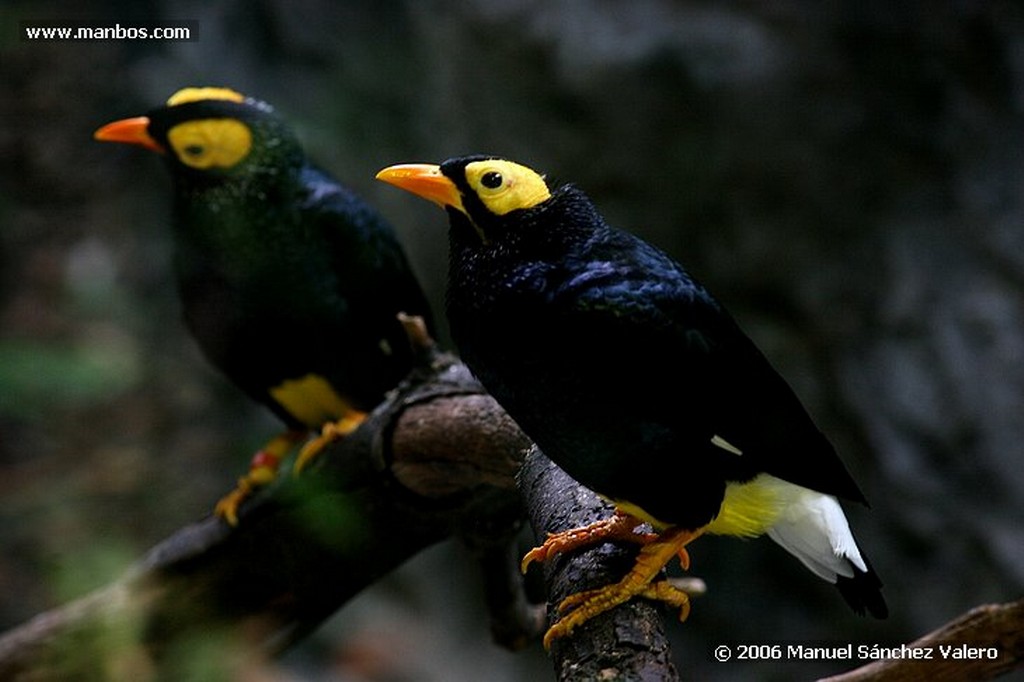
(236, 230)
(498, 282)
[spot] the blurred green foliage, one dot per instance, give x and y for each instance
(38, 377)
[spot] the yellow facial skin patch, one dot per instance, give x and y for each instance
(504, 186)
(211, 142)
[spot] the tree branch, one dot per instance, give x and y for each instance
(404, 480)
(627, 642)
(994, 625)
(438, 458)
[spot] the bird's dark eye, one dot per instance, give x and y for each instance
(492, 180)
(194, 149)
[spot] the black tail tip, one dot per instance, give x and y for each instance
(863, 592)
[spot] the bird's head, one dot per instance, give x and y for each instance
(209, 133)
(489, 193)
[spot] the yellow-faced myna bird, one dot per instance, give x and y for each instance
(629, 375)
(290, 283)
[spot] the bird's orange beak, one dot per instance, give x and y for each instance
(129, 131)
(424, 180)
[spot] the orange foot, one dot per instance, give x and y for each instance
(582, 606)
(620, 527)
(262, 471)
(332, 431)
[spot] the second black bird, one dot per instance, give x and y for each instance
(290, 283)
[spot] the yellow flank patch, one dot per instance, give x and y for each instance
(186, 95)
(749, 509)
(311, 400)
(210, 142)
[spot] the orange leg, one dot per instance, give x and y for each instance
(621, 527)
(331, 432)
(262, 471)
(653, 556)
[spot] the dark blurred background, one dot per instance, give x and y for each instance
(847, 177)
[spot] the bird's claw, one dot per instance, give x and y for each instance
(580, 607)
(331, 432)
(227, 506)
(262, 471)
(654, 554)
(621, 527)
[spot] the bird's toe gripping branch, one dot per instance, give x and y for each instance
(621, 527)
(656, 552)
(331, 432)
(265, 464)
(262, 471)
(583, 606)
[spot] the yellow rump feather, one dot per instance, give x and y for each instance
(311, 400)
(748, 510)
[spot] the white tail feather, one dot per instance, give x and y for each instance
(813, 528)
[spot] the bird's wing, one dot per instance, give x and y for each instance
(709, 376)
(363, 249)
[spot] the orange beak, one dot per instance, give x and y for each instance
(129, 131)
(424, 180)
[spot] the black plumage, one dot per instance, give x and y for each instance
(624, 369)
(290, 283)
